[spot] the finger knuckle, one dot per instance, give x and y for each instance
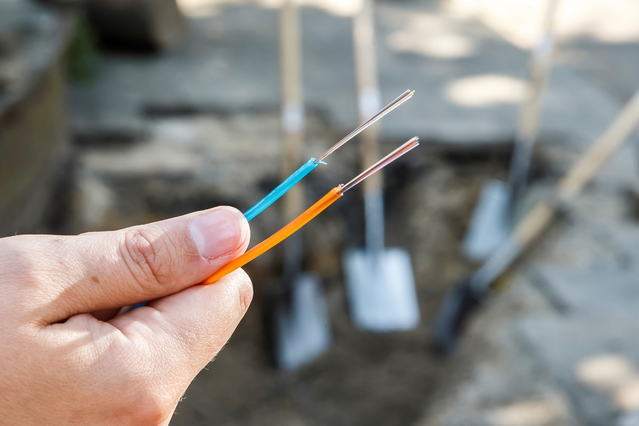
(152, 408)
(145, 257)
(245, 289)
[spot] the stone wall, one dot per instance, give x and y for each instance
(33, 134)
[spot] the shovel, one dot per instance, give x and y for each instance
(468, 295)
(494, 215)
(379, 281)
(300, 322)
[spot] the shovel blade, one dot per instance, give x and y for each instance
(301, 325)
(489, 226)
(381, 289)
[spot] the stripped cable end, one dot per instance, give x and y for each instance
(388, 108)
(403, 149)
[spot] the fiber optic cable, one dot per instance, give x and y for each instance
(302, 219)
(309, 214)
(307, 167)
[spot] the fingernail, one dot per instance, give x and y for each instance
(218, 232)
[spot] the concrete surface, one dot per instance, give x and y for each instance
(584, 353)
(613, 292)
(630, 419)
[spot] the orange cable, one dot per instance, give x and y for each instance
(279, 236)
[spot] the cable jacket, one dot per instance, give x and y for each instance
(278, 237)
(281, 189)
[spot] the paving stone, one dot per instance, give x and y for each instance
(574, 243)
(598, 291)
(622, 236)
(231, 62)
(595, 358)
(493, 380)
(144, 161)
(630, 419)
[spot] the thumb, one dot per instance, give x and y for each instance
(113, 269)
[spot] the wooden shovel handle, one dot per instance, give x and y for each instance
(540, 64)
(533, 224)
(611, 140)
(292, 104)
(367, 84)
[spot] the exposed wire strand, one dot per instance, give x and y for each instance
(388, 108)
(407, 146)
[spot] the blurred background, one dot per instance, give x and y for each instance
(115, 113)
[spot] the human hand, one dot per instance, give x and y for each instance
(61, 365)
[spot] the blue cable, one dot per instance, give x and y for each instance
(281, 189)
